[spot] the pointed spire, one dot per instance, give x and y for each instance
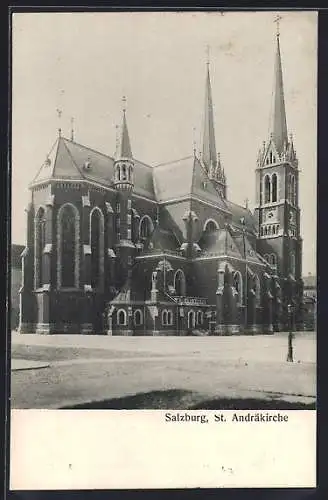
(125, 146)
(279, 123)
(209, 148)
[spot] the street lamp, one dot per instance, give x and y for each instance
(242, 220)
(290, 333)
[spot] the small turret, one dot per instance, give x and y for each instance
(123, 166)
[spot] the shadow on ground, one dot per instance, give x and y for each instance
(175, 399)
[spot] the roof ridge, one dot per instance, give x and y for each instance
(88, 147)
(49, 153)
(74, 162)
(104, 154)
(172, 161)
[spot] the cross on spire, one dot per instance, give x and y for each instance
(194, 140)
(59, 114)
(124, 103)
(279, 123)
(72, 128)
(207, 55)
(209, 147)
(277, 20)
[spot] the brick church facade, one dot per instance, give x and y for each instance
(118, 247)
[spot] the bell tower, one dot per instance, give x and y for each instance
(277, 209)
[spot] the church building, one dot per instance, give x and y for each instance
(118, 247)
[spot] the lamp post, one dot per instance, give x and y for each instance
(290, 334)
(242, 220)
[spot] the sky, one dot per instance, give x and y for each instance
(83, 63)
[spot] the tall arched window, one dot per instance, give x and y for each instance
(191, 319)
(267, 189)
(179, 283)
(145, 227)
(165, 317)
(39, 243)
(257, 290)
(238, 285)
(274, 187)
(68, 246)
(123, 174)
(138, 317)
(200, 317)
(121, 317)
(97, 247)
(210, 226)
(292, 263)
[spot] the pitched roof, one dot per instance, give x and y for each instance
(163, 240)
(71, 160)
(219, 243)
(183, 178)
(238, 212)
(173, 180)
(251, 254)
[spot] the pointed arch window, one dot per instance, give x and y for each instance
(164, 317)
(138, 317)
(179, 283)
(68, 246)
(39, 244)
(274, 187)
(191, 319)
(97, 247)
(211, 226)
(121, 317)
(145, 227)
(267, 189)
(200, 317)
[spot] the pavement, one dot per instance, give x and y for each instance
(57, 371)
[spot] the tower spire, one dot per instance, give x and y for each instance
(125, 146)
(209, 147)
(279, 122)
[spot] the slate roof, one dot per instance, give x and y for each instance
(183, 178)
(68, 160)
(238, 212)
(163, 240)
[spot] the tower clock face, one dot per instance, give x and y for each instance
(271, 216)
